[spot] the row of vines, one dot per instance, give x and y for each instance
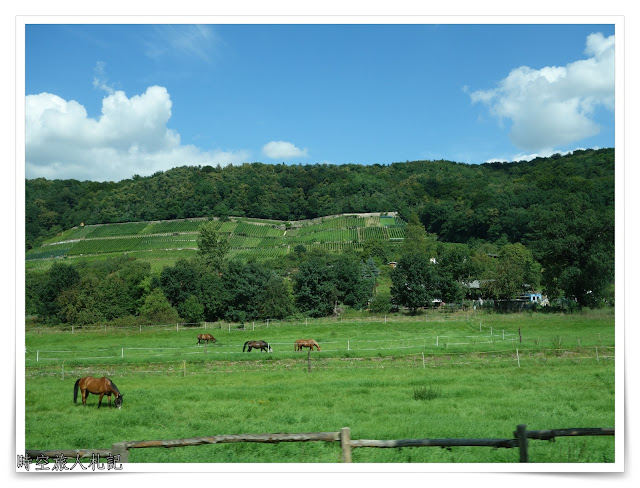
(259, 240)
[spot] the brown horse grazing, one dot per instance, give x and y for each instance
(98, 386)
(206, 338)
(310, 343)
(262, 345)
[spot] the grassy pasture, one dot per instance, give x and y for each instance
(369, 376)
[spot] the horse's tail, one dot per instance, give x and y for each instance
(75, 391)
(245, 345)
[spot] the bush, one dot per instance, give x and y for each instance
(381, 303)
(424, 393)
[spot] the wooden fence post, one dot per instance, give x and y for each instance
(118, 448)
(523, 443)
(345, 444)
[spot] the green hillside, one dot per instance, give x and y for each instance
(556, 213)
(249, 238)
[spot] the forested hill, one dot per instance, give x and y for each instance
(506, 202)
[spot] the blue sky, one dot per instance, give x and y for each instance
(105, 102)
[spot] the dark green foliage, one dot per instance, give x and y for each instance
(560, 208)
(455, 201)
(415, 282)
(276, 301)
(191, 310)
(515, 269)
(61, 278)
(179, 282)
(323, 281)
(575, 245)
(157, 309)
(245, 285)
(380, 303)
(314, 289)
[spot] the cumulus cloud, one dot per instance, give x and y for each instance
(130, 137)
(283, 150)
(554, 106)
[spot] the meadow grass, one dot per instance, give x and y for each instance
(470, 392)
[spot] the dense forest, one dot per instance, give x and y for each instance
(559, 210)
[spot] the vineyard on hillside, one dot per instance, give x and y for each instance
(249, 238)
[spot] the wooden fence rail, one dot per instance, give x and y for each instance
(520, 440)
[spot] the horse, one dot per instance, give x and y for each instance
(264, 346)
(97, 386)
(310, 343)
(206, 338)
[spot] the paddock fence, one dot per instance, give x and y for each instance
(434, 316)
(418, 355)
(119, 452)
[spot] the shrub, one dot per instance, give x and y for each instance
(424, 393)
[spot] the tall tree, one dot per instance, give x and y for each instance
(213, 246)
(314, 289)
(576, 247)
(61, 277)
(515, 272)
(415, 282)
(416, 239)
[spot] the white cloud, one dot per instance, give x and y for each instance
(283, 150)
(130, 137)
(554, 106)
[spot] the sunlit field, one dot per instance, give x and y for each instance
(432, 376)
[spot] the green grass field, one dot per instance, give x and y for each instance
(370, 376)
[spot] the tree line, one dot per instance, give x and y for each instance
(558, 211)
(211, 287)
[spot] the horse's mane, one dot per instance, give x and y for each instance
(115, 387)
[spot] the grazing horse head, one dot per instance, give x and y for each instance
(118, 401)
